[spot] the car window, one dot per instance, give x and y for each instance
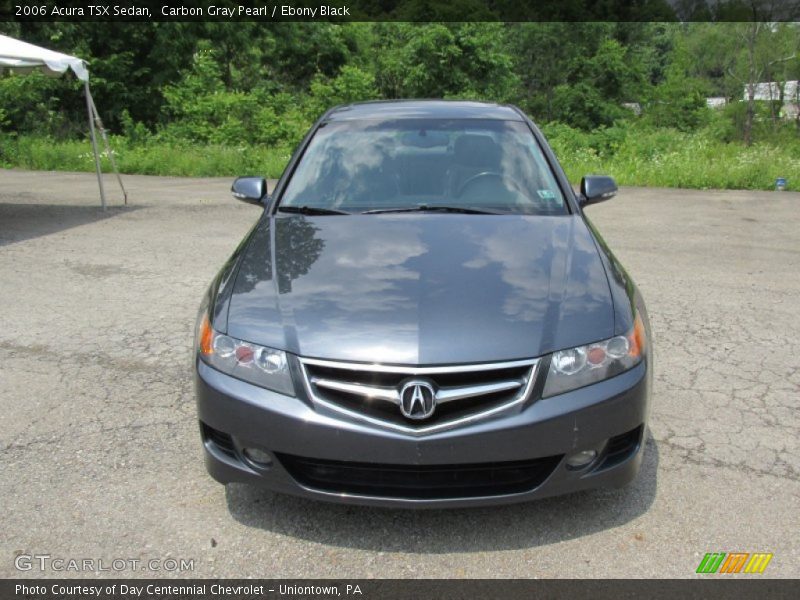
(356, 166)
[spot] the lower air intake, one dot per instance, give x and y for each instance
(420, 481)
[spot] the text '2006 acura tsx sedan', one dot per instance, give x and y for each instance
(423, 316)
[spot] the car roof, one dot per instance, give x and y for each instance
(424, 109)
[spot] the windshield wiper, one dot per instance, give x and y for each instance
(434, 208)
(311, 210)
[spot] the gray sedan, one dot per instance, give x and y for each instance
(423, 317)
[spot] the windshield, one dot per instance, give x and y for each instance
(480, 165)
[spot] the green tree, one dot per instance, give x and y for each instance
(679, 101)
(436, 60)
(598, 87)
(352, 84)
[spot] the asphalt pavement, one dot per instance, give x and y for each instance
(100, 455)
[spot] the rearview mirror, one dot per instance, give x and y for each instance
(424, 139)
(596, 188)
(249, 189)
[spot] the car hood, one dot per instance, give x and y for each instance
(421, 288)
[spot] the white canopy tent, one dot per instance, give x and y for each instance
(24, 57)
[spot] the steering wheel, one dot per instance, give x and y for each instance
(514, 184)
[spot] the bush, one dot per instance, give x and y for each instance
(30, 104)
(202, 111)
(583, 106)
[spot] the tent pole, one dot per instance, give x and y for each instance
(94, 144)
(99, 122)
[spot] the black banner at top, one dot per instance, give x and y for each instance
(400, 10)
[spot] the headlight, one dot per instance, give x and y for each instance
(256, 364)
(577, 367)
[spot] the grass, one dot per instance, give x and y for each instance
(152, 158)
(638, 157)
(670, 158)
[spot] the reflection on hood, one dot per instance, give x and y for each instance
(421, 289)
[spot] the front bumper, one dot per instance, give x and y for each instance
(609, 416)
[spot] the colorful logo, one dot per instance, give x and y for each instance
(734, 562)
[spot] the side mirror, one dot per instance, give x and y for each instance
(596, 188)
(249, 189)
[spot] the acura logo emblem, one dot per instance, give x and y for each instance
(417, 400)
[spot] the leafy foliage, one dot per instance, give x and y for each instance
(679, 101)
(246, 89)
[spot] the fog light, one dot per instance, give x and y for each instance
(257, 457)
(581, 459)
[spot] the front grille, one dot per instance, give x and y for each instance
(372, 392)
(419, 481)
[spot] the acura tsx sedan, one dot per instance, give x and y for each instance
(423, 316)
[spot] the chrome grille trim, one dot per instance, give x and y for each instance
(444, 394)
(389, 394)
(448, 394)
(412, 370)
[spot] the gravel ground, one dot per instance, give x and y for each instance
(100, 454)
